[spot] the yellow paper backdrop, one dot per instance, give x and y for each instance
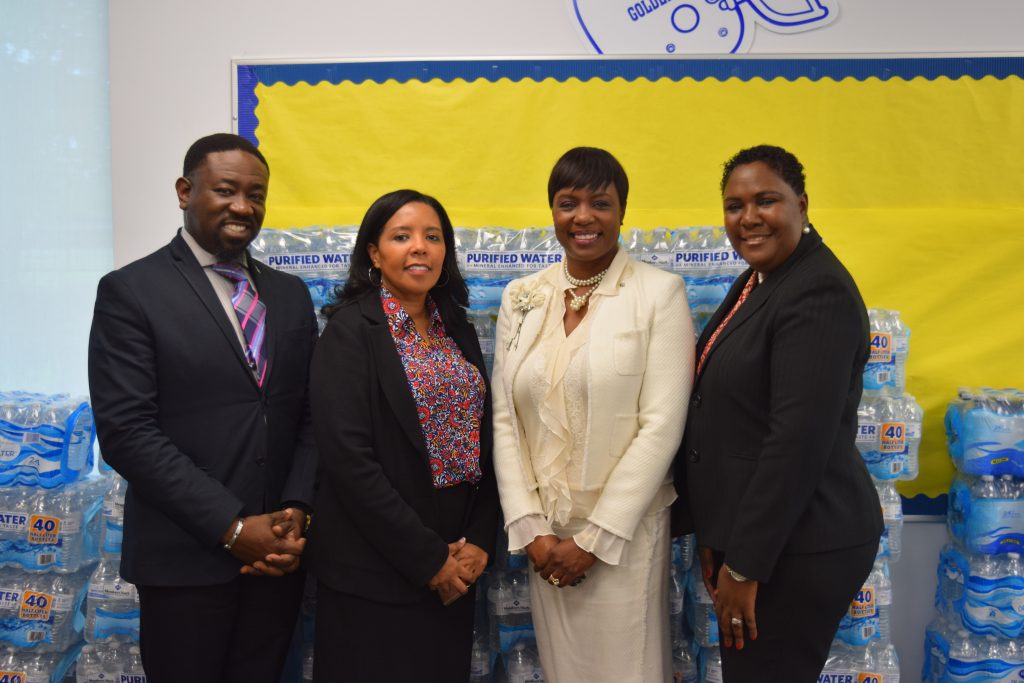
(918, 185)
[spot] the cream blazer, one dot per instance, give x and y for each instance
(640, 356)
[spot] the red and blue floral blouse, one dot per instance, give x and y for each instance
(449, 392)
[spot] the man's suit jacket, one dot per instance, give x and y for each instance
(768, 463)
(180, 416)
(381, 529)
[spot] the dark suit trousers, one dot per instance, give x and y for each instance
(798, 614)
(237, 632)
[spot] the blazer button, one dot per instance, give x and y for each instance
(695, 401)
(694, 455)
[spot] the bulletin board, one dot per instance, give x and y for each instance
(915, 170)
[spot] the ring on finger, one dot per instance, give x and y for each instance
(553, 581)
(736, 621)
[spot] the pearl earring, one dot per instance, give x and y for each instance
(807, 230)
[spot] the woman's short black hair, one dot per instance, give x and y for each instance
(782, 162)
(590, 168)
(450, 290)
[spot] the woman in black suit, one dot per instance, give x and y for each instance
(786, 516)
(406, 504)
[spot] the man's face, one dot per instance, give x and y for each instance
(224, 200)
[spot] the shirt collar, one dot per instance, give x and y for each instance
(205, 258)
(398, 317)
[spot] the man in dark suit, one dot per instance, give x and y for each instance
(198, 371)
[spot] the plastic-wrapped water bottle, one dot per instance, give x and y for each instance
(703, 619)
(892, 513)
(675, 606)
(887, 662)
(885, 371)
(963, 658)
(133, 671)
(113, 516)
(523, 665)
(985, 431)
(480, 662)
(497, 596)
(712, 665)
(838, 665)
(684, 664)
(682, 552)
(112, 605)
(883, 599)
(936, 649)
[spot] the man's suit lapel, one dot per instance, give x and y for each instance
(393, 380)
(193, 274)
(758, 297)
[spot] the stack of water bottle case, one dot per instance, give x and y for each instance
(57, 519)
(889, 434)
(978, 632)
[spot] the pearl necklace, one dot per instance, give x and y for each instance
(580, 301)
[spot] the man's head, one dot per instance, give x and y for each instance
(223, 192)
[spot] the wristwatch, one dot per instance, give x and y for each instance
(736, 576)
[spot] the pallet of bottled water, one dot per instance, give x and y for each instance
(876, 662)
(985, 432)
(50, 529)
(46, 441)
(42, 611)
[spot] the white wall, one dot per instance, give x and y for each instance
(170, 76)
(170, 82)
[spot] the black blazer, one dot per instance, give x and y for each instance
(381, 529)
(768, 463)
(181, 418)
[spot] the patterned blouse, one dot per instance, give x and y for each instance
(449, 392)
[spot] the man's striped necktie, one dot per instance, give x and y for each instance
(252, 316)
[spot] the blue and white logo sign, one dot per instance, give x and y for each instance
(693, 26)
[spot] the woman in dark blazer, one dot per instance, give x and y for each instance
(786, 516)
(406, 504)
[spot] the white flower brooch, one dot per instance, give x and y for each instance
(525, 297)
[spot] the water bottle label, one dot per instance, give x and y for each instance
(659, 259)
(515, 607)
(892, 510)
(44, 530)
(13, 677)
(893, 437)
(309, 261)
(900, 343)
(881, 347)
(883, 597)
(869, 677)
(35, 606)
(704, 259)
(675, 603)
(112, 589)
(867, 432)
(913, 430)
(863, 604)
(15, 522)
(9, 450)
(132, 678)
(713, 674)
(487, 345)
(475, 259)
(10, 599)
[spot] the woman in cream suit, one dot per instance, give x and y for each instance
(592, 372)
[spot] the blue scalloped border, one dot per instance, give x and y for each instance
(883, 68)
(923, 505)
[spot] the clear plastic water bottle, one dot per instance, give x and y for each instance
(712, 667)
(112, 605)
(887, 662)
(113, 516)
(675, 607)
(684, 664)
(704, 621)
(133, 671)
(523, 665)
(985, 488)
(892, 513)
(307, 663)
(883, 600)
(480, 662)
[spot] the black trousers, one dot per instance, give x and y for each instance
(362, 641)
(237, 632)
(797, 613)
